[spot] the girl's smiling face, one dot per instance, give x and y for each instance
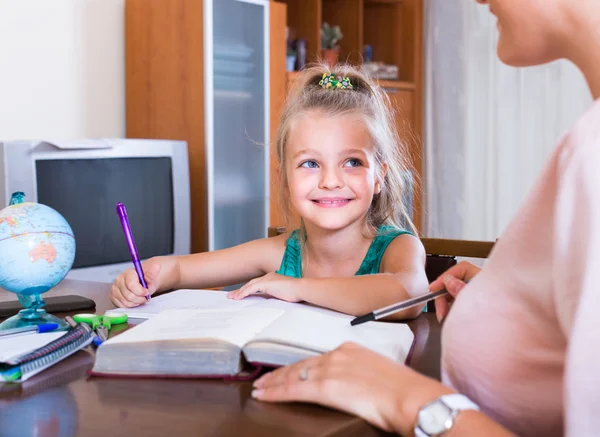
(331, 169)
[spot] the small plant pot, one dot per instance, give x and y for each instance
(330, 56)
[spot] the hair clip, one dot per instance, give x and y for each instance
(335, 82)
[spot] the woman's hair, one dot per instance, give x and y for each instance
(367, 99)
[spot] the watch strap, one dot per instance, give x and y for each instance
(459, 402)
(456, 402)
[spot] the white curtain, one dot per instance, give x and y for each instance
(488, 127)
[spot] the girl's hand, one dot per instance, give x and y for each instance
(279, 286)
(356, 380)
(453, 280)
(127, 292)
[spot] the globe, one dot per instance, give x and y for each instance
(37, 249)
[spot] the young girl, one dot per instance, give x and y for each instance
(343, 171)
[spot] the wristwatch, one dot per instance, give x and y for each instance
(437, 417)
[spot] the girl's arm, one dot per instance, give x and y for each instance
(199, 270)
(402, 277)
(229, 266)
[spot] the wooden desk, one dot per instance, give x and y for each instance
(63, 401)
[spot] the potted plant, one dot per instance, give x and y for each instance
(330, 38)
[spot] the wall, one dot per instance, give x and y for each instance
(489, 127)
(61, 69)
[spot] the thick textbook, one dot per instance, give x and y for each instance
(227, 342)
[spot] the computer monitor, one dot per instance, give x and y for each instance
(84, 180)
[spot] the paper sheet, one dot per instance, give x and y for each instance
(187, 299)
(234, 326)
(322, 332)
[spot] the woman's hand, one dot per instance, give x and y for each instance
(453, 280)
(279, 286)
(356, 380)
(127, 292)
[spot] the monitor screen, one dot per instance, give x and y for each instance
(86, 191)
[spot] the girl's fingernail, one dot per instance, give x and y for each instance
(439, 318)
(256, 393)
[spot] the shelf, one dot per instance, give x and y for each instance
(397, 84)
(383, 2)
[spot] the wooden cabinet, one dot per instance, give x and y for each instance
(164, 67)
(394, 30)
(201, 71)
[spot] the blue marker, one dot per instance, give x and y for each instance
(44, 327)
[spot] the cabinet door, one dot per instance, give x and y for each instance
(277, 91)
(237, 124)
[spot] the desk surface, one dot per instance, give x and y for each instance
(63, 401)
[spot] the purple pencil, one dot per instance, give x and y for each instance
(135, 257)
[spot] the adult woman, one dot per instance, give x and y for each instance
(531, 364)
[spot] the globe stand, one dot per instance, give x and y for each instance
(33, 314)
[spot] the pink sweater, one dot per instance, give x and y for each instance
(523, 338)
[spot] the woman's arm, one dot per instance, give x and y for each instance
(359, 381)
(402, 276)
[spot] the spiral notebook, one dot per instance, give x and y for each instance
(23, 356)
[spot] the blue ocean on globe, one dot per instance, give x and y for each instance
(37, 248)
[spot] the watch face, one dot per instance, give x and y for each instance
(434, 418)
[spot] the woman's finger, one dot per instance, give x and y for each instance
(288, 373)
(453, 285)
(303, 382)
(441, 308)
(309, 390)
(463, 271)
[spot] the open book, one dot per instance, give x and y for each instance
(219, 342)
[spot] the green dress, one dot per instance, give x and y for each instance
(291, 264)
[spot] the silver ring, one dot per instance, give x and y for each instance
(304, 374)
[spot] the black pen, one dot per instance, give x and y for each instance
(394, 308)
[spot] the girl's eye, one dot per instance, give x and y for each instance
(353, 163)
(309, 164)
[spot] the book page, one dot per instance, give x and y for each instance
(187, 299)
(273, 302)
(18, 345)
(322, 332)
(232, 326)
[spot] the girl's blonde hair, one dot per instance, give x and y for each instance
(388, 207)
